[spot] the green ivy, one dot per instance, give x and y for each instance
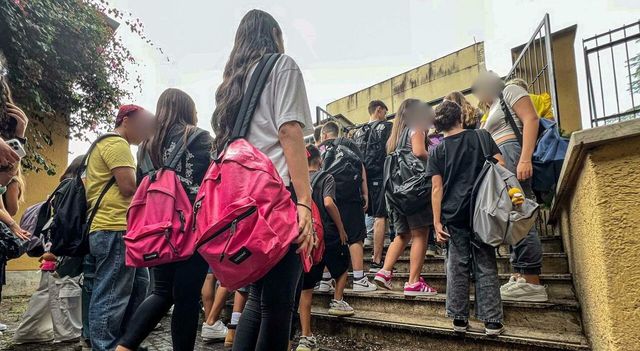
(64, 63)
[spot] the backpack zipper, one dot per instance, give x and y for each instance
(242, 216)
(166, 236)
(232, 231)
(196, 208)
(182, 221)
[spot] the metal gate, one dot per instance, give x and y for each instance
(612, 64)
(535, 65)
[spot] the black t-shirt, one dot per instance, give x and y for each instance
(327, 188)
(459, 160)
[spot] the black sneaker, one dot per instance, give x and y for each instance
(493, 329)
(375, 267)
(460, 325)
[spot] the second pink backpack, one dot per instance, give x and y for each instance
(245, 219)
(159, 219)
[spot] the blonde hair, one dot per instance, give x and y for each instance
(519, 82)
(469, 113)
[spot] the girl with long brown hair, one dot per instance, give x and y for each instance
(410, 127)
(175, 284)
(276, 129)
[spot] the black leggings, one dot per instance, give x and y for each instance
(266, 320)
(177, 283)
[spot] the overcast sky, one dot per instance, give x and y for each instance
(344, 46)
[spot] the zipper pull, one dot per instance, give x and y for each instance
(196, 207)
(182, 221)
(234, 225)
(166, 236)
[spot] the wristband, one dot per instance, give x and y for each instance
(305, 206)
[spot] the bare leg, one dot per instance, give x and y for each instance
(341, 283)
(379, 229)
(418, 251)
(395, 250)
(305, 311)
(239, 300)
(218, 305)
(357, 256)
(208, 293)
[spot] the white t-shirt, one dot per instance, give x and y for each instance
(284, 99)
(496, 123)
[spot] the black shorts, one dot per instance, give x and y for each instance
(336, 259)
(353, 220)
(377, 203)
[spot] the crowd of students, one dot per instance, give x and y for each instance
(122, 305)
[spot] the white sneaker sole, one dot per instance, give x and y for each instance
(214, 338)
(526, 298)
(419, 293)
(381, 283)
(460, 329)
(340, 313)
(369, 288)
(374, 270)
(494, 332)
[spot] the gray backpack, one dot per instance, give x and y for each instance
(494, 218)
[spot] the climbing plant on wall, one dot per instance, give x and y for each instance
(64, 63)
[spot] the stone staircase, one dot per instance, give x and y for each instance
(386, 320)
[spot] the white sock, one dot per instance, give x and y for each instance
(235, 318)
(326, 275)
(357, 275)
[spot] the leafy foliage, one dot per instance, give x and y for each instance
(65, 64)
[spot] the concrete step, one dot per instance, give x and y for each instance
(559, 286)
(399, 332)
(553, 316)
(550, 244)
(552, 263)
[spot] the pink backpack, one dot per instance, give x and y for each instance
(245, 219)
(159, 219)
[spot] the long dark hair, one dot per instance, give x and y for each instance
(73, 167)
(174, 108)
(399, 124)
(254, 38)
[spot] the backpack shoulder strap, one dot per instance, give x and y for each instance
(181, 148)
(509, 118)
(252, 95)
(317, 177)
(107, 186)
(482, 139)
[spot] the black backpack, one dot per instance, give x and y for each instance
(371, 139)
(63, 218)
(345, 166)
(407, 187)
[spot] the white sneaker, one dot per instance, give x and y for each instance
(363, 285)
(523, 291)
(326, 286)
(512, 280)
(216, 332)
(340, 308)
(307, 343)
(3, 327)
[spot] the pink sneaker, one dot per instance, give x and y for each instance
(48, 266)
(383, 279)
(419, 288)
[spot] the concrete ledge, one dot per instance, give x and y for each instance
(21, 283)
(579, 145)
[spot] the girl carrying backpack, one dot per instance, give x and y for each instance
(273, 133)
(408, 140)
(177, 282)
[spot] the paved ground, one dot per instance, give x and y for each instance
(160, 340)
(12, 308)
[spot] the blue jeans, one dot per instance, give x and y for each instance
(117, 290)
